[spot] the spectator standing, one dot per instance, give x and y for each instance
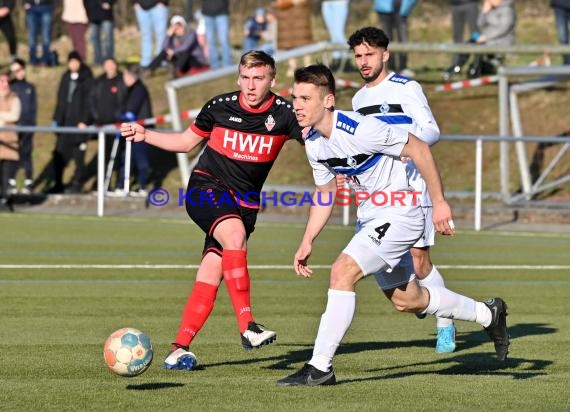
(335, 14)
(39, 17)
(152, 19)
(9, 114)
(75, 18)
(293, 28)
(463, 13)
(561, 9)
(101, 26)
(72, 109)
(217, 18)
(106, 102)
(7, 26)
(253, 30)
(137, 105)
(181, 49)
(26, 92)
(393, 15)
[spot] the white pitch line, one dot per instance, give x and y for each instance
(275, 267)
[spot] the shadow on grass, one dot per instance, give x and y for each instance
(154, 386)
(469, 364)
(451, 364)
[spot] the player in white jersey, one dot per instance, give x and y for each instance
(400, 101)
(369, 151)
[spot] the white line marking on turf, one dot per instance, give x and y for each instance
(274, 267)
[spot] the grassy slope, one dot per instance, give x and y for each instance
(459, 112)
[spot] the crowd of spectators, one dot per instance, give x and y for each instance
(199, 40)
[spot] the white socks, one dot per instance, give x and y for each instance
(434, 278)
(334, 323)
(443, 302)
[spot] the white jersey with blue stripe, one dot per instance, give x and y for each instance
(400, 101)
(365, 150)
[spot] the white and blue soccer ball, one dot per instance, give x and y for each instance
(128, 352)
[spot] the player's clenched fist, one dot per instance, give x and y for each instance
(133, 132)
(300, 260)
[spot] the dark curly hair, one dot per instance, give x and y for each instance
(371, 35)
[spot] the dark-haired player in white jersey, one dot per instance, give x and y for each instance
(369, 152)
(244, 132)
(400, 101)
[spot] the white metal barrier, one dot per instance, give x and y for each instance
(509, 115)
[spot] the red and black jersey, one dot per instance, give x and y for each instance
(243, 143)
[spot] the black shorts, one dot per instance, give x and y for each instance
(209, 202)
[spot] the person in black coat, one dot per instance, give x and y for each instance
(72, 110)
(137, 106)
(106, 102)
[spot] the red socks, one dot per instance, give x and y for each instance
(198, 307)
(234, 269)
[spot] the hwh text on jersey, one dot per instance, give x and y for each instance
(247, 143)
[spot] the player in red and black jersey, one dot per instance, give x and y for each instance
(244, 131)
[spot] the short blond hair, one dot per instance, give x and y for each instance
(257, 58)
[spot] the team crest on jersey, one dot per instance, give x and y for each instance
(384, 108)
(351, 161)
(269, 123)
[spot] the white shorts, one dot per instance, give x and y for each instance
(417, 182)
(428, 237)
(400, 275)
(380, 244)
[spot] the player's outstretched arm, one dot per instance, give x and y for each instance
(172, 142)
(421, 154)
(319, 214)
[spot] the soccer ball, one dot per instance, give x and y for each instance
(128, 352)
